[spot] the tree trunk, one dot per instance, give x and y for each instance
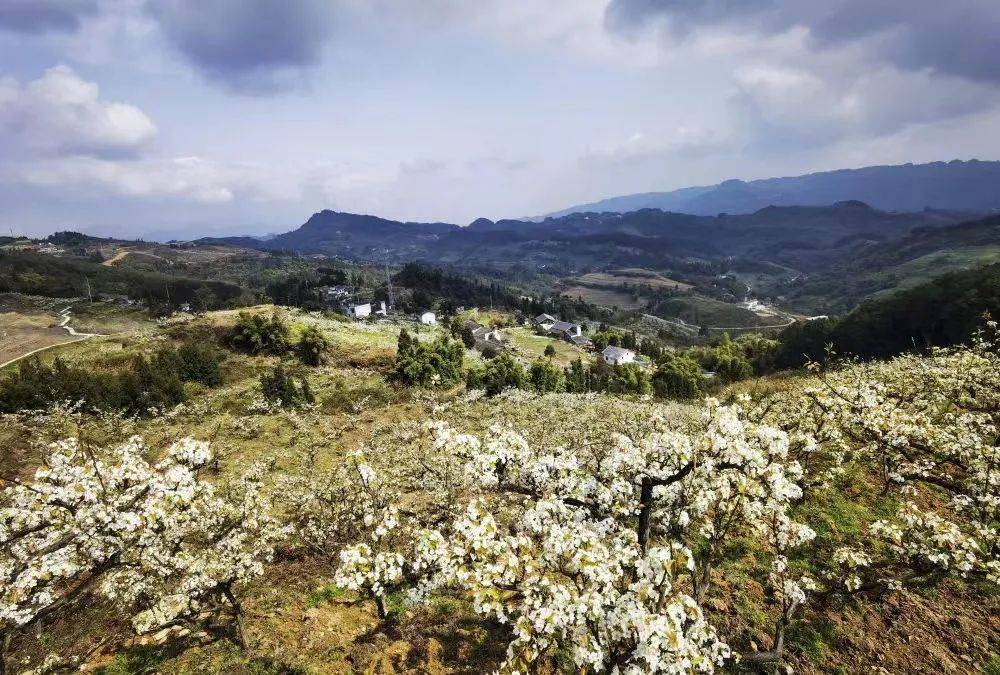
(771, 658)
(241, 630)
(380, 606)
(645, 512)
(4, 645)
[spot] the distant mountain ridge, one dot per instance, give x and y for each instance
(792, 235)
(972, 185)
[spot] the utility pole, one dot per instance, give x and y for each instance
(388, 280)
(90, 296)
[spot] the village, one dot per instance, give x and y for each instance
(490, 340)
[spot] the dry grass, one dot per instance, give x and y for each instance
(24, 333)
(631, 275)
(605, 297)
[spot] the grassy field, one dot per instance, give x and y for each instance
(703, 311)
(608, 289)
(531, 347)
(834, 293)
(631, 275)
(605, 297)
(24, 333)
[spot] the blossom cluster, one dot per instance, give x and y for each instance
(927, 428)
(592, 550)
(158, 539)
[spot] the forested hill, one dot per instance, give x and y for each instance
(868, 268)
(353, 234)
(650, 237)
(973, 185)
(944, 311)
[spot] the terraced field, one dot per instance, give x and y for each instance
(619, 288)
(632, 275)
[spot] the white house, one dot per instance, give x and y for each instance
(616, 356)
(358, 311)
(428, 318)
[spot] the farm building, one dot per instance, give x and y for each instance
(428, 318)
(565, 330)
(544, 321)
(616, 356)
(358, 311)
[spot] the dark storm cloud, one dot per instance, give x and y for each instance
(255, 46)
(38, 16)
(955, 37)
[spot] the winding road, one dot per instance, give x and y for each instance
(64, 324)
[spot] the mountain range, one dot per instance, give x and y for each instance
(973, 185)
(797, 236)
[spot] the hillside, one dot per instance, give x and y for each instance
(359, 236)
(870, 268)
(972, 185)
(941, 312)
(396, 528)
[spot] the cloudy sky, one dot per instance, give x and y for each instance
(182, 117)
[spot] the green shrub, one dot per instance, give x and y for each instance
(281, 387)
(732, 368)
(475, 377)
(193, 362)
(577, 378)
(141, 385)
(545, 377)
(678, 377)
(629, 378)
(503, 372)
(425, 364)
(259, 334)
(312, 346)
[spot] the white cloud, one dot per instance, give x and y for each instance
(61, 114)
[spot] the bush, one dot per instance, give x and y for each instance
(550, 350)
(259, 334)
(281, 387)
(577, 378)
(423, 364)
(732, 368)
(678, 377)
(461, 329)
(193, 362)
(545, 377)
(759, 351)
(502, 373)
(629, 378)
(142, 385)
(475, 377)
(312, 346)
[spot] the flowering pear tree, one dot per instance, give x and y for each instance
(158, 540)
(926, 429)
(606, 552)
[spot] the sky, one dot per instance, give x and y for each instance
(178, 119)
